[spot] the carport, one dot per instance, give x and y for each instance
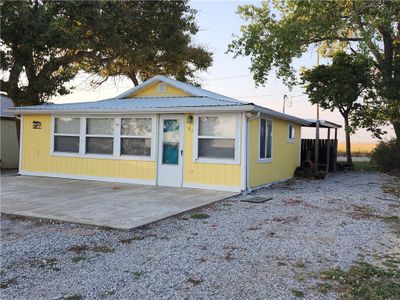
(115, 205)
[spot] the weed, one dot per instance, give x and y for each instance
(299, 264)
(78, 248)
(298, 294)
(324, 288)
(254, 227)
(7, 283)
(74, 297)
(130, 240)
(286, 220)
(200, 216)
(300, 277)
(365, 281)
(194, 281)
(77, 259)
(42, 263)
(137, 274)
(103, 249)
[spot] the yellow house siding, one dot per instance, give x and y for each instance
(36, 157)
(152, 91)
(213, 174)
(285, 155)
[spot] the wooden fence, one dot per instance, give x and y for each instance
(325, 146)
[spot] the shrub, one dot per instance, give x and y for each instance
(387, 155)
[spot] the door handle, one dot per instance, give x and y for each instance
(181, 152)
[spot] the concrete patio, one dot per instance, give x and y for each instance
(115, 205)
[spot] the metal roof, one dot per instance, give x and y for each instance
(5, 104)
(137, 103)
(188, 88)
(323, 124)
(202, 100)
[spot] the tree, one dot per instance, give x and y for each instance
(44, 44)
(339, 86)
(279, 31)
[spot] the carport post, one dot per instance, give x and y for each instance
(335, 152)
(328, 150)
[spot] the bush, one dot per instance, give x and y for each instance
(386, 155)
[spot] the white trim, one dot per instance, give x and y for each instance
(93, 178)
(181, 121)
(212, 187)
(237, 138)
(265, 185)
(21, 141)
(244, 150)
(116, 138)
(140, 111)
(161, 87)
(293, 139)
(268, 159)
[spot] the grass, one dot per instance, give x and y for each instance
(194, 281)
(365, 166)
(7, 283)
(74, 297)
(362, 281)
(77, 259)
(357, 148)
(200, 216)
(298, 294)
(137, 274)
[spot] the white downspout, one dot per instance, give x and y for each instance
(247, 177)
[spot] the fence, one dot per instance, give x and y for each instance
(325, 146)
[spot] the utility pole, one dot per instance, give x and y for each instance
(284, 102)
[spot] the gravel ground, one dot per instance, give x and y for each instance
(242, 250)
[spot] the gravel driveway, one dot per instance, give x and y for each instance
(231, 249)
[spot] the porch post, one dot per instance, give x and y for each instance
(335, 152)
(328, 150)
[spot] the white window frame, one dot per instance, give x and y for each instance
(161, 87)
(237, 138)
(269, 159)
(117, 138)
(54, 134)
(86, 135)
(152, 137)
(291, 139)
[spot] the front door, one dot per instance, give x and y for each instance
(170, 150)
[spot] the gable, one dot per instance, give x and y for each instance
(152, 91)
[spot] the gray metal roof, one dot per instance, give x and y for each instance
(202, 100)
(323, 124)
(137, 103)
(6, 103)
(190, 89)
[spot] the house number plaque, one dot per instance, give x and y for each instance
(37, 125)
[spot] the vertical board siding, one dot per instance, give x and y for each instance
(206, 173)
(36, 157)
(285, 155)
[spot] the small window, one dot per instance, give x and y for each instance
(216, 137)
(99, 135)
(162, 87)
(291, 133)
(265, 139)
(66, 135)
(136, 136)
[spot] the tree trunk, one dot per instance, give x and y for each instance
(348, 144)
(396, 127)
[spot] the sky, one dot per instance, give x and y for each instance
(218, 23)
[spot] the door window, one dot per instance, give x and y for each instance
(170, 143)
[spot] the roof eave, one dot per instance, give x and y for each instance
(192, 109)
(278, 115)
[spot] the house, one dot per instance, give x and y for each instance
(162, 132)
(9, 140)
